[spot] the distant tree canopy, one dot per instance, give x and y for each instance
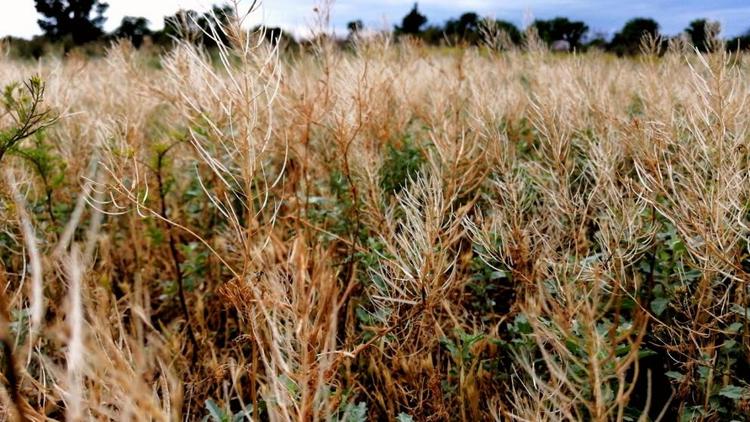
(742, 42)
(355, 26)
(597, 41)
(178, 26)
(468, 28)
(274, 35)
(133, 28)
(465, 27)
(509, 28)
(700, 31)
(194, 26)
(79, 20)
(561, 29)
(221, 15)
(70, 23)
(216, 24)
(628, 40)
(413, 22)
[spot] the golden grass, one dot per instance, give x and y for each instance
(450, 235)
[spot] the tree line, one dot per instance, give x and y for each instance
(560, 31)
(69, 24)
(79, 24)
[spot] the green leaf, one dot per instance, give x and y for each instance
(363, 316)
(735, 327)
(644, 353)
(675, 375)
(659, 305)
(741, 311)
(215, 411)
(470, 339)
(497, 275)
(732, 392)
(356, 413)
(692, 413)
(729, 345)
(521, 325)
(403, 417)
(245, 414)
(572, 345)
(290, 385)
(448, 344)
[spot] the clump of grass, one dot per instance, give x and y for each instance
(386, 231)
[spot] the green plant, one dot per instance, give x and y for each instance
(48, 166)
(217, 414)
(401, 163)
(23, 106)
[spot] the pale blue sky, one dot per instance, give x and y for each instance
(18, 17)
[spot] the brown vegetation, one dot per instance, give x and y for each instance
(390, 232)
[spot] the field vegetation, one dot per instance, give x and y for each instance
(388, 231)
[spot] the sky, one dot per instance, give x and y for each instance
(18, 17)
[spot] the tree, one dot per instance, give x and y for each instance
(34, 48)
(72, 19)
(275, 35)
(195, 27)
(133, 28)
(433, 34)
(510, 29)
(561, 29)
(412, 23)
(628, 40)
(597, 41)
(498, 35)
(465, 27)
(700, 31)
(355, 26)
(181, 25)
(218, 17)
(739, 43)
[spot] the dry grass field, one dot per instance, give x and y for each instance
(383, 232)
